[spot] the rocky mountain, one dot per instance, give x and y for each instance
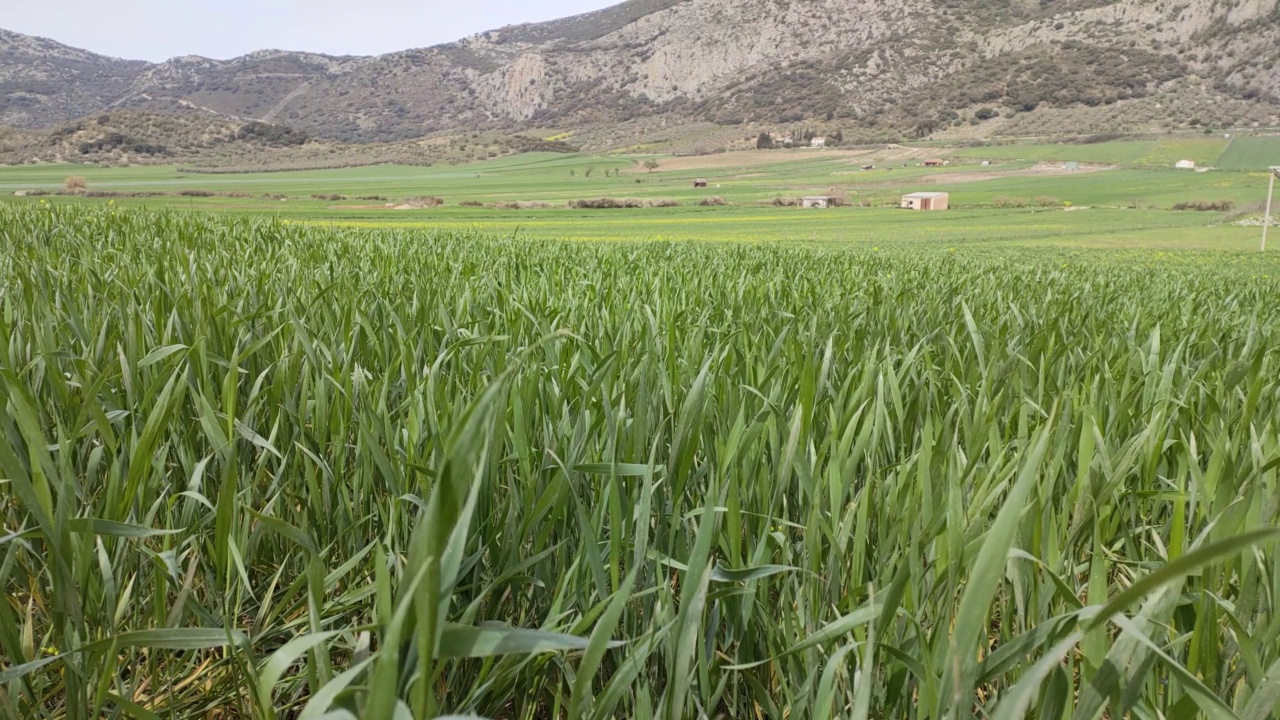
(912, 66)
(42, 81)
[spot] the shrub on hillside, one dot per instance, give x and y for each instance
(524, 143)
(714, 200)
(75, 183)
(274, 135)
(1048, 201)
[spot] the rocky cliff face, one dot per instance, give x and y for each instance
(915, 63)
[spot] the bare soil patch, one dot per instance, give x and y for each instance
(1039, 170)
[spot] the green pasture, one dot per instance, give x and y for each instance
(1009, 202)
(1252, 153)
(1237, 153)
(1098, 227)
(1112, 153)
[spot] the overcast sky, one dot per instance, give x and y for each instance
(160, 29)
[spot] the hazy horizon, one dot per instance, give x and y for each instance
(154, 30)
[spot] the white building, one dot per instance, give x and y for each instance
(1186, 165)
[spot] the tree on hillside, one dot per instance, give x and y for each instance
(765, 141)
(651, 164)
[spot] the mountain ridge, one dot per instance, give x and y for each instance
(916, 67)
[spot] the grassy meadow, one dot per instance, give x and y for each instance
(252, 467)
(1022, 198)
(1235, 153)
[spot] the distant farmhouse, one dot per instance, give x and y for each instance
(926, 201)
(699, 183)
(818, 142)
(1186, 165)
(934, 163)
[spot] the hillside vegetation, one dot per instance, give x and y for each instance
(914, 67)
(206, 140)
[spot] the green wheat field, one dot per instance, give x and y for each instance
(259, 469)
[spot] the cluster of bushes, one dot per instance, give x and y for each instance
(79, 187)
(333, 198)
(272, 135)
(372, 198)
(1206, 205)
(777, 95)
(1062, 75)
(119, 141)
(622, 203)
(714, 200)
(524, 143)
(113, 194)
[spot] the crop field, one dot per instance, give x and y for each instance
(1238, 153)
(1252, 153)
(1015, 202)
(258, 468)
(1112, 153)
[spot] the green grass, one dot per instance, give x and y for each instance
(1110, 153)
(860, 227)
(1251, 153)
(1239, 153)
(1203, 152)
(1144, 194)
(257, 469)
